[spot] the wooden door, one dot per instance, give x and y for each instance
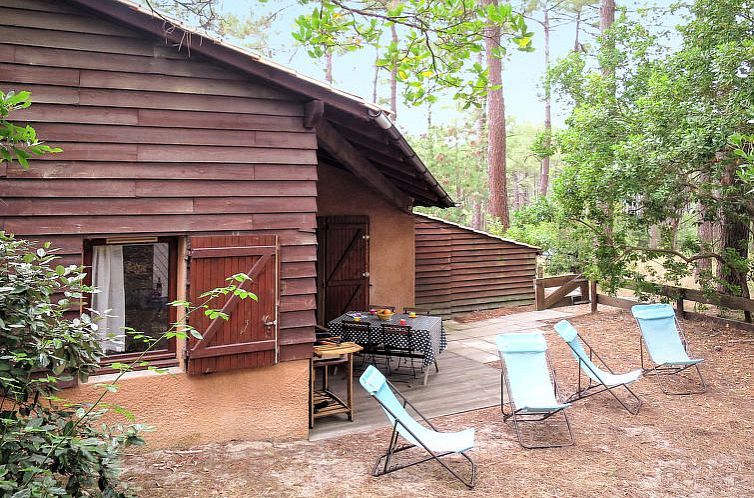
(342, 265)
(248, 338)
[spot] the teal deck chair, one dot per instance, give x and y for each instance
(666, 344)
(437, 444)
(599, 381)
(529, 379)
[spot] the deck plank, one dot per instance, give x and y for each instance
(460, 385)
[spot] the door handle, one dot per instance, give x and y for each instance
(365, 274)
(267, 322)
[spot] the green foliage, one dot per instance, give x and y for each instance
(438, 40)
(648, 143)
(456, 155)
(743, 148)
(541, 224)
(50, 447)
(18, 143)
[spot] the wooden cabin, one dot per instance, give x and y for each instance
(460, 270)
(187, 160)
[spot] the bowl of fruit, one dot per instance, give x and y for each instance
(385, 314)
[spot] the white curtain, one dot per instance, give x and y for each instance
(107, 276)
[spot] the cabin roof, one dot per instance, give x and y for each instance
(479, 232)
(366, 126)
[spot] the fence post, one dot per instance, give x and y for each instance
(593, 295)
(584, 290)
(539, 295)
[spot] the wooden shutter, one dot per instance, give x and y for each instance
(249, 338)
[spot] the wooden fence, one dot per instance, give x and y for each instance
(459, 269)
(567, 284)
(680, 295)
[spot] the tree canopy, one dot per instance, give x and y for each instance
(651, 144)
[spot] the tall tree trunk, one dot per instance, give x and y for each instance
(394, 78)
(520, 189)
(482, 121)
(430, 135)
(673, 224)
(328, 66)
(376, 78)
(607, 18)
(544, 173)
(735, 234)
(576, 44)
(705, 232)
(476, 217)
(607, 15)
(496, 128)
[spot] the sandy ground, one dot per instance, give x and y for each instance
(701, 445)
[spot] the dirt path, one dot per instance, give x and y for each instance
(677, 446)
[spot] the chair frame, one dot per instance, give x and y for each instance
(593, 388)
(381, 468)
(659, 371)
(519, 417)
(418, 311)
(370, 348)
(404, 330)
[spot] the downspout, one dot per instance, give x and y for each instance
(396, 137)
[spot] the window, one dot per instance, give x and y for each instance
(137, 281)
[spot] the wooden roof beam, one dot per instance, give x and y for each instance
(350, 157)
(313, 111)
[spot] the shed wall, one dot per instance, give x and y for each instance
(460, 270)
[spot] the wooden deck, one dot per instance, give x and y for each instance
(460, 385)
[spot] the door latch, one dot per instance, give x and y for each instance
(365, 274)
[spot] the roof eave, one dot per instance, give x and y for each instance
(255, 65)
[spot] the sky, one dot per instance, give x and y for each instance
(522, 74)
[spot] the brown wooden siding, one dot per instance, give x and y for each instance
(156, 142)
(460, 270)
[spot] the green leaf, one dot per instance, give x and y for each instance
(18, 97)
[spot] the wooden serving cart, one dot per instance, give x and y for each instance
(322, 401)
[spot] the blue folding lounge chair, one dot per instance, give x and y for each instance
(437, 444)
(599, 380)
(668, 350)
(528, 378)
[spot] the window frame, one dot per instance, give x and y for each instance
(160, 358)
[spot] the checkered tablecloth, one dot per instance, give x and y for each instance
(428, 333)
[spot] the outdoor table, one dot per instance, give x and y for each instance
(428, 334)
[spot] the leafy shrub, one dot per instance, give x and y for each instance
(564, 247)
(50, 447)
